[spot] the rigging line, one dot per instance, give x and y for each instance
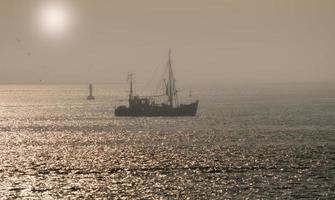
(161, 81)
(153, 96)
(151, 80)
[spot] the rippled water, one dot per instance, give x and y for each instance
(243, 144)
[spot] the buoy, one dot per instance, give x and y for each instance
(90, 96)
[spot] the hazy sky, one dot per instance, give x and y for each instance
(213, 41)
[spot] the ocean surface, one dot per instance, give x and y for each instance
(255, 143)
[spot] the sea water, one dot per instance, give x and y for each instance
(243, 143)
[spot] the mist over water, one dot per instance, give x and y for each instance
(213, 41)
(256, 143)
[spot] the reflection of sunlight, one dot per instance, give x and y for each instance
(54, 18)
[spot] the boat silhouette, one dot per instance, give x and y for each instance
(147, 106)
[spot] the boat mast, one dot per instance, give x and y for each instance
(130, 78)
(171, 81)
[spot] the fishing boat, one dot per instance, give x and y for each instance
(147, 105)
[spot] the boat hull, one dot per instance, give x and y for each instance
(156, 111)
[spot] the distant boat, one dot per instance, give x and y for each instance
(147, 106)
(90, 96)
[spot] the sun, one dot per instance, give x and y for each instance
(54, 19)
